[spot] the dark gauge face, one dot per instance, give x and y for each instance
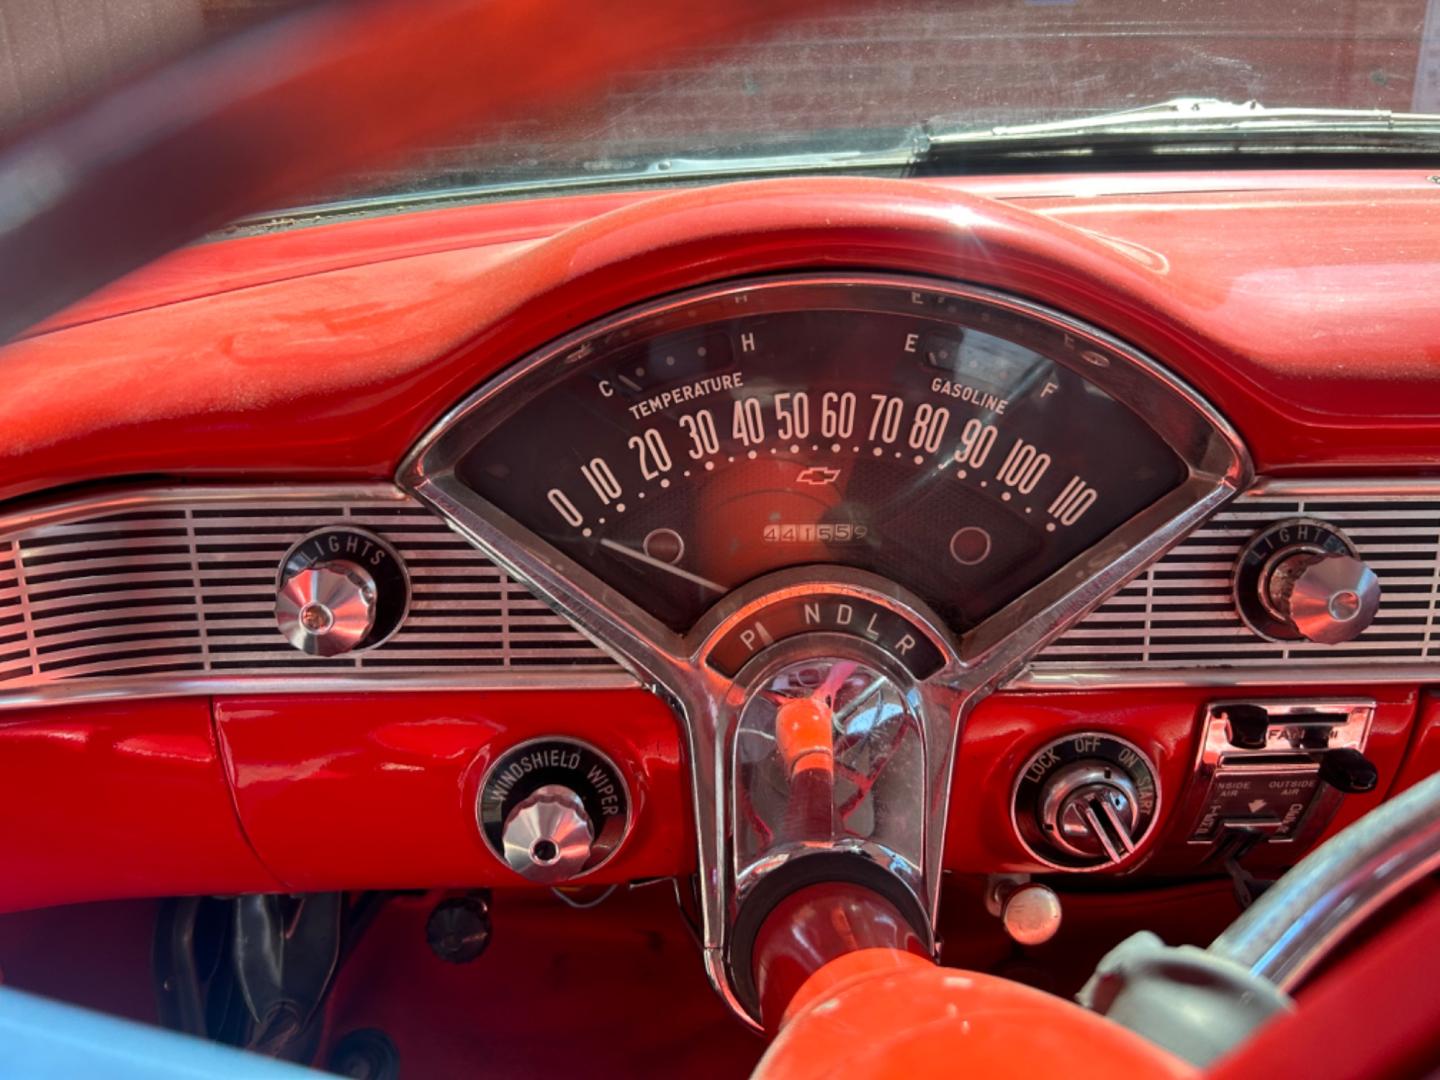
(952, 445)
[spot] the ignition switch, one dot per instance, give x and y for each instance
(1086, 802)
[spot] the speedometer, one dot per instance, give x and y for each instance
(957, 443)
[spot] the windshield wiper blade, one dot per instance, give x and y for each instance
(1188, 125)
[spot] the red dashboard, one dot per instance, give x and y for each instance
(782, 537)
(197, 421)
(319, 792)
(1299, 307)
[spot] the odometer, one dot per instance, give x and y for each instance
(952, 443)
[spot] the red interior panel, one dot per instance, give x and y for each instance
(379, 790)
(117, 800)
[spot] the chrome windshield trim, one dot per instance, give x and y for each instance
(661, 174)
(1190, 116)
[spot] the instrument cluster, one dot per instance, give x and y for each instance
(952, 443)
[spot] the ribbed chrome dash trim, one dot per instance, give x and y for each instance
(1177, 623)
(156, 591)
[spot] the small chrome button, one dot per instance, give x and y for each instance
(328, 609)
(1031, 913)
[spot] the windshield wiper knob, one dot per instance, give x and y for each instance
(547, 837)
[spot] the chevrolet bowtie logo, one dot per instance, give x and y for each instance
(819, 475)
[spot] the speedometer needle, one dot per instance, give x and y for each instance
(660, 564)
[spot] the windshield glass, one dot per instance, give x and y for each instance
(856, 77)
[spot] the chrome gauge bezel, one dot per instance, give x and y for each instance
(674, 665)
(1218, 463)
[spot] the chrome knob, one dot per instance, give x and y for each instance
(1091, 810)
(1328, 598)
(326, 609)
(548, 836)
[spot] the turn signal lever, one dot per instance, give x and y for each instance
(1203, 1003)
